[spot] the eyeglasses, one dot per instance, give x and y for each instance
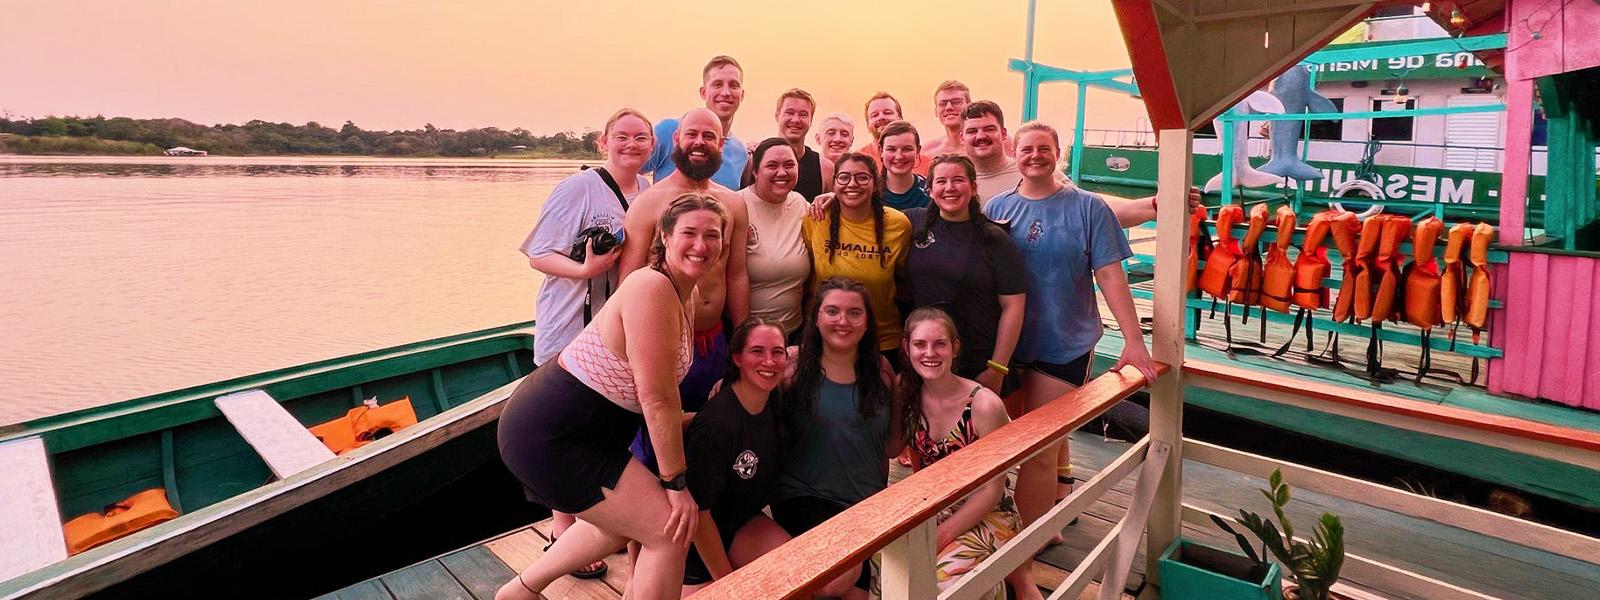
(853, 315)
(861, 178)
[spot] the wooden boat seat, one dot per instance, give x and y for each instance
(279, 438)
(31, 527)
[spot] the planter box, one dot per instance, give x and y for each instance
(1192, 570)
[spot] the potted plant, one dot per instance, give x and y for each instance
(1190, 570)
(1313, 564)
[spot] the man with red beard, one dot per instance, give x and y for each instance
(883, 109)
(722, 88)
(983, 139)
(697, 153)
(796, 108)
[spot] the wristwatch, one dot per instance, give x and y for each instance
(677, 483)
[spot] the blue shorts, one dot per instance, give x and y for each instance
(710, 364)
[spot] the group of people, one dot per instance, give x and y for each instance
(781, 322)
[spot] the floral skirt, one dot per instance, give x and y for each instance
(971, 548)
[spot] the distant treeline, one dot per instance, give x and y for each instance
(122, 135)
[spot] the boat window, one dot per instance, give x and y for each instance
(1330, 129)
(1393, 129)
(1540, 128)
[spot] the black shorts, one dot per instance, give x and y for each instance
(695, 571)
(563, 440)
(1010, 383)
(801, 514)
(1075, 372)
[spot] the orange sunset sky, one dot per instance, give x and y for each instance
(544, 66)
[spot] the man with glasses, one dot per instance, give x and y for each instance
(950, 102)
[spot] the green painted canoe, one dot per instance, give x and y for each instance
(230, 503)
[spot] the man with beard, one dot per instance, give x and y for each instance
(983, 138)
(722, 88)
(795, 110)
(883, 109)
(837, 133)
(697, 153)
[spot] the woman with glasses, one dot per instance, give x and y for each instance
(839, 422)
(859, 238)
(966, 265)
(574, 290)
(776, 256)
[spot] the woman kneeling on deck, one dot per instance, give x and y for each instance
(841, 422)
(565, 430)
(733, 457)
(944, 413)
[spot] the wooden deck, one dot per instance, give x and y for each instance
(1465, 559)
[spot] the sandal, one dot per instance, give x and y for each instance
(595, 570)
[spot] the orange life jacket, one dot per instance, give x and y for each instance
(1360, 287)
(139, 511)
(1277, 283)
(1453, 281)
(1214, 279)
(1312, 265)
(1396, 230)
(1477, 314)
(364, 424)
(1197, 223)
(1247, 274)
(1345, 226)
(1422, 295)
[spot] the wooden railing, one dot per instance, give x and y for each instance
(900, 519)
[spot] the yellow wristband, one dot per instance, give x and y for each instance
(1002, 369)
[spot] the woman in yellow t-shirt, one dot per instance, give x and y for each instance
(861, 239)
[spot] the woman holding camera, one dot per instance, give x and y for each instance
(588, 202)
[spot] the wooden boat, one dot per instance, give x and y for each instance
(232, 458)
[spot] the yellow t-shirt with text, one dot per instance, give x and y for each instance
(857, 257)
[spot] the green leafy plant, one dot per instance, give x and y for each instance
(1315, 564)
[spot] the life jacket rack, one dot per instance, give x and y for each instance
(1386, 266)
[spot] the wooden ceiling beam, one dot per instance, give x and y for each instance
(1273, 11)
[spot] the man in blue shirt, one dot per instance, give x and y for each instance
(722, 87)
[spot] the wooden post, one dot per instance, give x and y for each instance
(1176, 154)
(1518, 153)
(908, 565)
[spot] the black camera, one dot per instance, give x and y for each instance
(604, 241)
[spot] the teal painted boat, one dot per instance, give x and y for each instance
(236, 516)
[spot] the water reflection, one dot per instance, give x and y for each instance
(461, 169)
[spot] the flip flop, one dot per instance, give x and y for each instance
(595, 570)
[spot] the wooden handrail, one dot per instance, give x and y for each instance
(823, 553)
(1375, 401)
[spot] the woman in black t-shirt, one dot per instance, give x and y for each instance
(967, 265)
(732, 448)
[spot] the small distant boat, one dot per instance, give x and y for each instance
(239, 467)
(183, 151)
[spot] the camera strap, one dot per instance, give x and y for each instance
(611, 182)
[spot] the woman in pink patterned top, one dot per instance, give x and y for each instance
(565, 430)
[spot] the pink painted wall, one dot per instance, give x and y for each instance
(1567, 40)
(1553, 352)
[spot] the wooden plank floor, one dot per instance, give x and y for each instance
(1462, 558)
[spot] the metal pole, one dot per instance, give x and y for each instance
(1226, 137)
(1077, 131)
(1030, 85)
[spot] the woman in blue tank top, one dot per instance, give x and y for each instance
(838, 422)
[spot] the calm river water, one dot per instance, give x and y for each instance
(125, 277)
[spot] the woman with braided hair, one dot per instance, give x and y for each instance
(565, 430)
(859, 238)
